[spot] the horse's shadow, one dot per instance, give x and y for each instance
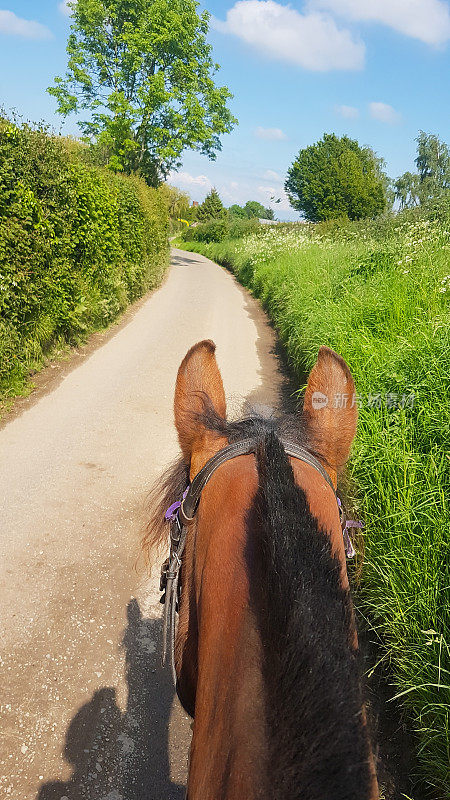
(123, 756)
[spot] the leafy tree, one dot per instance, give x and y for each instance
(237, 211)
(251, 210)
(178, 204)
(433, 160)
(433, 173)
(406, 189)
(254, 209)
(337, 177)
(211, 208)
(143, 73)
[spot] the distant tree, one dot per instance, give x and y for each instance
(433, 159)
(237, 211)
(142, 72)
(251, 210)
(254, 209)
(387, 182)
(406, 189)
(211, 208)
(433, 166)
(337, 177)
(433, 173)
(178, 202)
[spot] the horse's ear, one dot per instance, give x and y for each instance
(330, 410)
(199, 389)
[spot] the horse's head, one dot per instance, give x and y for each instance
(326, 426)
(266, 646)
(328, 423)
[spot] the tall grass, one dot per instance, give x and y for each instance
(380, 297)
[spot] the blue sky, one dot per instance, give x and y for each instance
(377, 70)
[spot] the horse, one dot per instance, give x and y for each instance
(266, 650)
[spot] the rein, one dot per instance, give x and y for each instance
(182, 512)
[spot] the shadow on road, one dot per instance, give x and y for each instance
(118, 756)
(180, 260)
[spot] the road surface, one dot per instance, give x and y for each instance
(86, 711)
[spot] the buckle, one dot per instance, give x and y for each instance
(163, 577)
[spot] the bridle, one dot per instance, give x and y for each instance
(182, 512)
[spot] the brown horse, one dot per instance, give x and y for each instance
(266, 649)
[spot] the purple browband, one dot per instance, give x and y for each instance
(172, 513)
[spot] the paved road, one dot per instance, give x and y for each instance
(87, 713)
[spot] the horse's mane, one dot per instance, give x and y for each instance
(165, 491)
(318, 746)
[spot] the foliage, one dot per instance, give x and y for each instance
(336, 177)
(406, 189)
(237, 228)
(237, 211)
(433, 164)
(142, 72)
(179, 206)
(77, 244)
(251, 209)
(433, 173)
(255, 209)
(378, 293)
(216, 230)
(211, 208)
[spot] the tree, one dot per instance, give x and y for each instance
(178, 202)
(406, 189)
(433, 159)
(237, 211)
(143, 73)
(254, 209)
(337, 177)
(251, 210)
(211, 208)
(433, 166)
(433, 173)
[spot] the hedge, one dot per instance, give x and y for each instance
(216, 230)
(77, 245)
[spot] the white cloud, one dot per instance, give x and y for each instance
(348, 112)
(186, 180)
(427, 20)
(12, 25)
(311, 40)
(384, 113)
(270, 134)
(270, 175)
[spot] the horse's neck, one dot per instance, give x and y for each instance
(228, 754)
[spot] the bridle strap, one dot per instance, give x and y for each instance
(240, 448)
(186, 513)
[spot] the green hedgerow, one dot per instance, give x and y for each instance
(77, 245)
